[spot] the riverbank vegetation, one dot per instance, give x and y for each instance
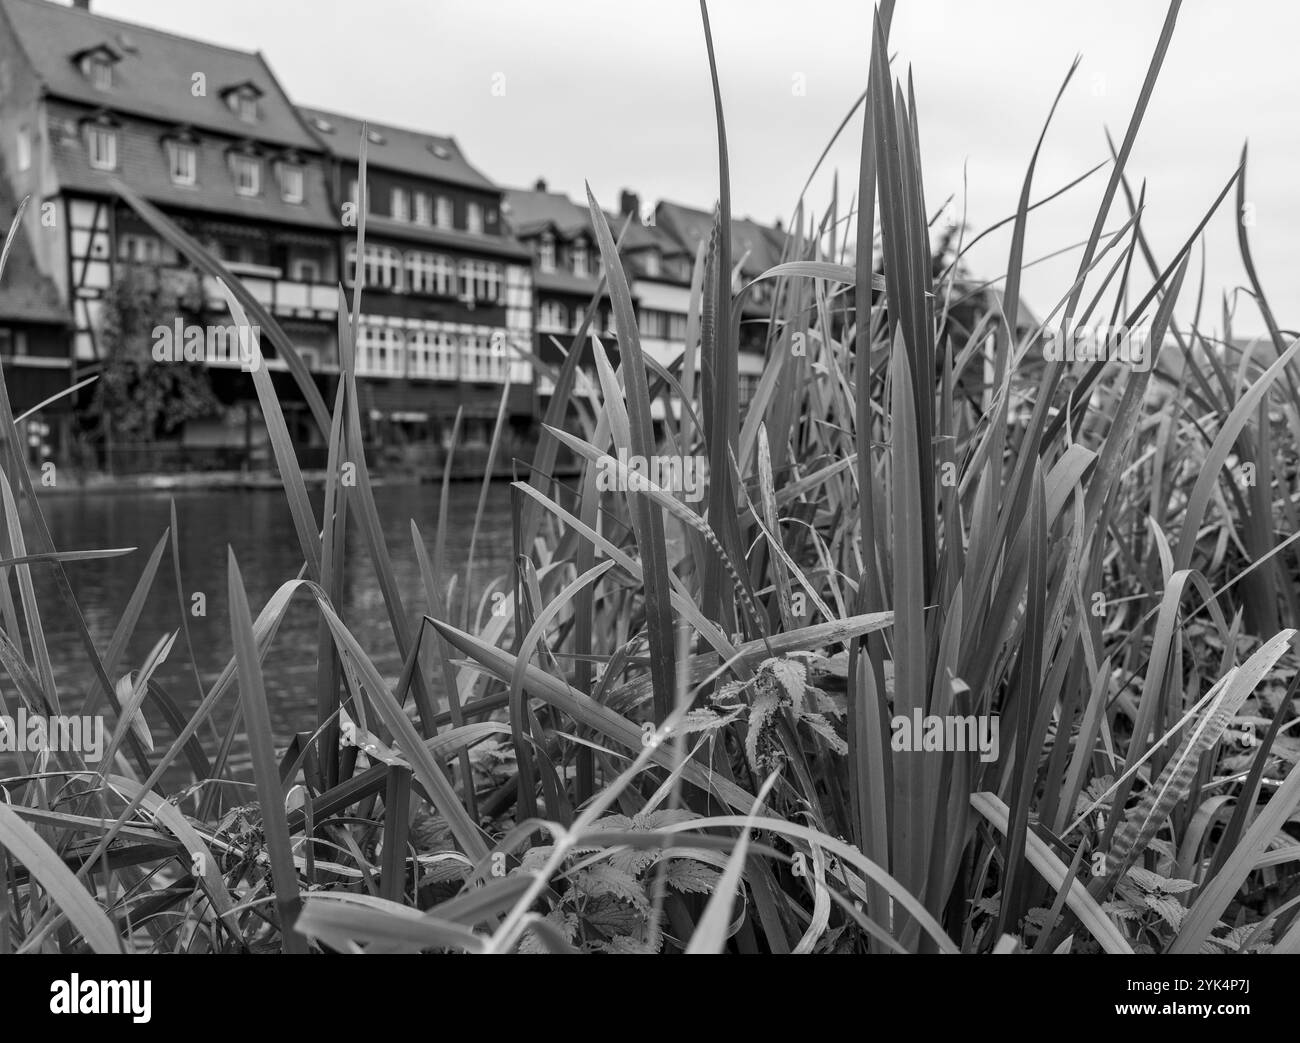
(672, 727)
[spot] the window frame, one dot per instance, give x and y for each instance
(397, 194)
(175, 150)
(253, 166)
(107, 136)
(288, 173)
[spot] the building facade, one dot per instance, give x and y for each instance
(203, 132)
(446, 290)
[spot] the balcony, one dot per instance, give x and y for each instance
(281, 297)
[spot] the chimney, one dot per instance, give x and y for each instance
(540, 186)
(779, 226)
(629, 204)
(81, 5)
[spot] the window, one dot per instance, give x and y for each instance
(419, 353)
(580, 259)
(476, 358)
(247, 171)
(423, 214)
(480, 281)
(353, 189)
(304, 269)
(651, 263)
(400, 204)
(243, 103)
(546, 253)
(101, 142)
(431, 354)
(139, 249)
(100, 71)
(474, 218)
(442, 212)
(444, 356)
(24, 148)
(553, 316)
(13, 342)
(383, 267)
(184, 160)
(291, 182)
(379, 351)
(429, 273)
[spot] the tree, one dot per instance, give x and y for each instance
(137, 398)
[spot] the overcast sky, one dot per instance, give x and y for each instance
(616, 92)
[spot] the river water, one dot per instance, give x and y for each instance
(257, 524)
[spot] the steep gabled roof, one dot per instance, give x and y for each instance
(397, 148)
(154, 74)
(689, 226)
(530, 211)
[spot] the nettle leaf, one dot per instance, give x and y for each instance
(691, 877)
(790, 674)
(624, 943)
(565, 922)
(762, 712)
(1169, 909)
(1157, 884)
(608, 917)
(534, 859)
(660, 819)
(826, 730)
(604, 879)
(1038, 917)
(704, 720)
(1121, 909)
(613, 823)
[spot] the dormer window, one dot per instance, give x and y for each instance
(101, 146)
(244, 101)
(546, 253)
(580, 268)
(291, 183)
(100, 72)
(183, 160)
(247, 172)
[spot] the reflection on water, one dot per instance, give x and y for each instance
(257, 524)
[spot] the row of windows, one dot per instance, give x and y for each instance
(182, 163)
(553, 317)
(385, 351)
(664, 325)
(579, 256)
(429, 210)
(418, 271)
